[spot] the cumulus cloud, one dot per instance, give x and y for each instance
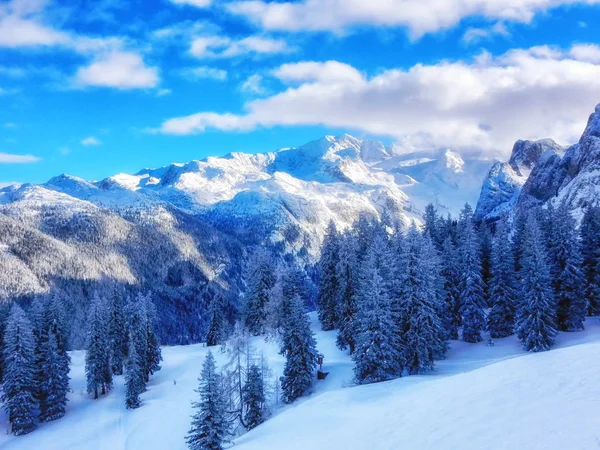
(204, 72)
(118, 69)
(482, 105)
(10, 158)
(418, 16)
(224, 47)
(90, 141)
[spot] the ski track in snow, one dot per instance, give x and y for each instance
(478, 397)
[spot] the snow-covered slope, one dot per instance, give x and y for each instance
(479, 397)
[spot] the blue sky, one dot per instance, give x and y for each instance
(112, 86)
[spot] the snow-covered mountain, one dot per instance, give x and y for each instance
(287, 196)
(543, 171)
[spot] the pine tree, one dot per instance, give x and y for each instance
(209, 424)
(536, 317)
(590, 249)
(472, 297)
(4, 312)
(347, 275)
(452, 288)
(261, 279)
(216, 330)
(377, 356)
(153, 355)
(134, 377)
(503, 296)
(329, 286)
(422, 337)
(52, 359)
(299, 349)
(485, 248)
(98, 356)
(566, 261)
(117, 332)
(432, 223)
(19, 383)
(55, 380)
(254, 398)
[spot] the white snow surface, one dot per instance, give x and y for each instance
(480, 397)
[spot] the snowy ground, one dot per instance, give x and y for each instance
(479, 397)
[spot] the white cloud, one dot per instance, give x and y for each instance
(418, 16)
(484, 105)
(163, 92)
(224, 47)
(586, 52)
(203, 72)
(4, 184)
(16, 31)
(90, 141)
(474, 35)
(119, 69)
(253, 84)
(196, 3)
(10, 158)
(327, 72)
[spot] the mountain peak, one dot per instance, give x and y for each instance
(525, 154)
(593, 125)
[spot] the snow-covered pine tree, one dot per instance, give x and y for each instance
(377, 356)
(98, 356)
(348, 280)
(117, 331)
(536, 313)
(19, 383)
(485, 248)
(472, 298)
(433, 268)
(421, 332)
(590, 249)
(55, 379)
(503, 294)
(451, 274)
(134, 376)
(432, 223)
(329, 286)
(565, 269)
(153, 355)
(216, 329)
(4, 312)
(518, 241)
(299, 348)
(136, 316)
(254, 397)
(210, 428)
(260, 278)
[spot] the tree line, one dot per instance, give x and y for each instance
(34, 363)
(397, 298)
